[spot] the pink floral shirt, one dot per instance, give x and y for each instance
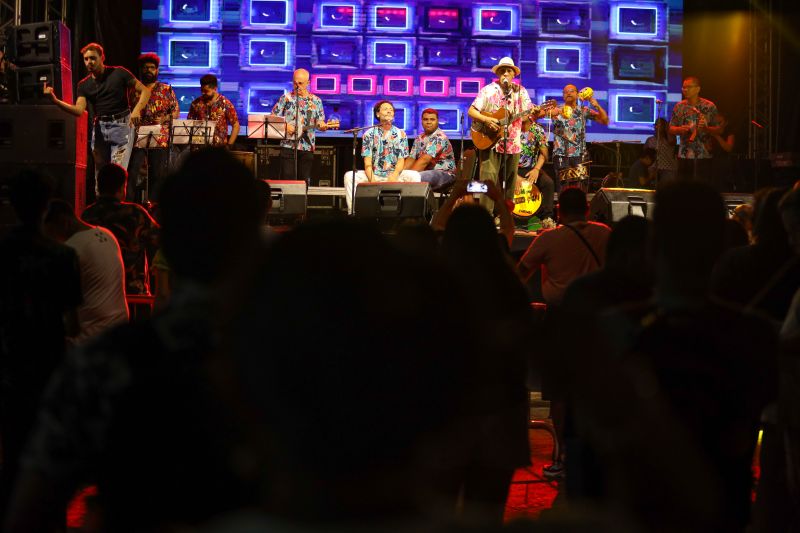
(491, 98)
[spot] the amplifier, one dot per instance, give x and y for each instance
(323, 172)
(609, 205)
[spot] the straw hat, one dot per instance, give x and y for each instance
(506, 62)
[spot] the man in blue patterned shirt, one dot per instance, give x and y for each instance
(384, 148)
(312, 117)
(694, 119)
(432, 154)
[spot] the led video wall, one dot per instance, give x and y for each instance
(424, 53)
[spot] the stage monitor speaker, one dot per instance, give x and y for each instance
(41, 42)
(394, 201)
(30, 82)
(288, 202)
(609, 205)
(323, 170)
(733, 200)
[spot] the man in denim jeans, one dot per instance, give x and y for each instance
(105, 89)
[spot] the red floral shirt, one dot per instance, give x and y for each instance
(220, 111)
(158, 110)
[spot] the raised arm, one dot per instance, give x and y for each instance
(76, 109)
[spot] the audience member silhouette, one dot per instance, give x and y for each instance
(39, 293)
(626, 276)
(102, 270)
(748, 275)
(494, 435)
(135, 411)
(131, 224)
(690, 377)
(349, 385)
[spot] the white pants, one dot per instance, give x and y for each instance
(361, 177)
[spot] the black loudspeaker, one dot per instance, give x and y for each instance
(394, 201)
(323, 171)
(733, 200)
(31, 80)
(48, 139)
(288, 202)
(610, 205)
(40, 42)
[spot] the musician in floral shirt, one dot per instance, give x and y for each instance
(531, 160)
(502, 93)
(216, 107)
(694, 119)
(161, 108)
(432, 154)
(569, 130)
(312, 117)
(384, 149)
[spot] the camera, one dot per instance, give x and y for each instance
(477, 186)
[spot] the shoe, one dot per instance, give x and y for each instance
(554, 471)
(548, 223)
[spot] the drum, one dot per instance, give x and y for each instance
(575, 177)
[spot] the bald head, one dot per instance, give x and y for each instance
(300, 81)
(570, 95)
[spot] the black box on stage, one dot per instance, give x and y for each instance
(394, 201)
(47, 139)
(733, 200)
(288, 202)
(323, 171)
(31, 80)
(40, 42)
(610, 205)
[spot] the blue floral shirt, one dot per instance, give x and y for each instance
(311, 111)
(567, 133)
(438, 146)
(386, 150)
(684, 115)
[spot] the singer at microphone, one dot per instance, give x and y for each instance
(384, 149)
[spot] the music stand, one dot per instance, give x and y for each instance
(265, 126)
(192, 132)
(146, 138)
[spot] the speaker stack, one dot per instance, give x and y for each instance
(36, 133)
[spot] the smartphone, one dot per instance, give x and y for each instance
(477, 186)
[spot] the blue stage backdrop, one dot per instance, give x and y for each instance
(422, 54)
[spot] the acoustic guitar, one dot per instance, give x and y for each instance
(527, 202)
(482, 135)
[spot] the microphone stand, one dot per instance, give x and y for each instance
(296, 129)
(355, 131)
(504, 158)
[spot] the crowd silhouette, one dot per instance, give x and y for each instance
(336, 377)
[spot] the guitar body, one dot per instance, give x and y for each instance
(528, 201)
(482, 136)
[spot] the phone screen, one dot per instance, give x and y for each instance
(476, 186)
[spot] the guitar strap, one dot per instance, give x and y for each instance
(586, 243)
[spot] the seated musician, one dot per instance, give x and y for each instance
(531, 160)
(432, 154)
(384, 149)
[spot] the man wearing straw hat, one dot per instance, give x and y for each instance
(503, 157)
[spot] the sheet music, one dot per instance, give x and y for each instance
(199, 131)
(147, 136)
(274, 126)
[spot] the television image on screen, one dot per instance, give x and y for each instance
(559, 20)
(638, 64)
(186, 94)
(495, 20)
(488, 54)
(442, 19)
(398, 85)
(337, 16)
(637, 21)
(449, 115)
(189, 53)
(345, 111)
(272, 12)
(362, 84)
(326, 83)
(563, 60)
(261, 99)
(434, 86)
(634, 108)
(268, 53)
(190, 10)
(390, 53)
(342, 52)
(391, 18)
(440, 54)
